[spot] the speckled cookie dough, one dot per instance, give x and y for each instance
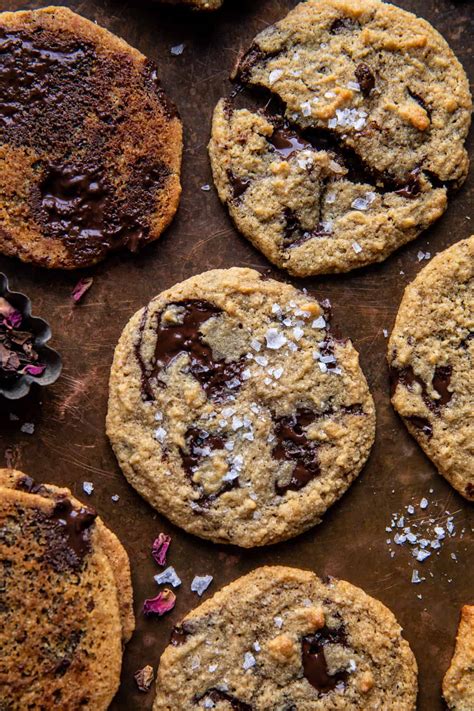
(431, 354)
(370, 136)
(90, 146)
(281, 638)
(62, 623)
(234, 411)
(458, 683)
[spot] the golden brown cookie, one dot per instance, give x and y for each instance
(431, 356)
(281, 638)
(356, 151)
(90, 146)
(233, 409)
(61, 631)
(458, 684)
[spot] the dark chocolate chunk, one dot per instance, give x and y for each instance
(239, 185)
(287, 142)
(68, 534)
(410, 187)
(218, 378)
(314, 662)
(365, 78)
(246, 63)
(295, 234)
(217, 695)
(180, 634)
(342, 25)
(18, 355)
(199, 444)
(294, 446)
(441, 381)
(421, 423)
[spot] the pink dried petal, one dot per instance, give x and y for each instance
(33, 369)
(11, 316)
(160, 548)
(163, 602)
(82, 286)
(144, 678)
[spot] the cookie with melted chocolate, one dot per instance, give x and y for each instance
(364, 135)
(234, 411)
(281, 638)
(63, 620)
(91, 146)
(431, 356)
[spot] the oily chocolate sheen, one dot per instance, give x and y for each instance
(287, 142)
(75, 525)
(218, 378)
(314, 662)
(294, 446)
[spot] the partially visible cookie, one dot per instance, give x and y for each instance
(60, 623)
(375, 109)
(90, 146)
(458, 683)
(431, 356)
(234, 411)
(108, 542)
(281, 638)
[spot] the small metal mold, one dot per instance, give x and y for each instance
(20, 385)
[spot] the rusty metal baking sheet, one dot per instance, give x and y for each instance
(68, 445)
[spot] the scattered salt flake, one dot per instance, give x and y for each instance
(200, 583)
(249, 661)
(256, 345)
(306, 108)
(298, 332)
(274, 339)
(319, 322)
(385, 333)
(115, 497)
(81, 288)
(88, 487)
(159, 605)
(256, 646)
(158, 416)
(352, 666)
(356, 247)
(160, 434)
(354, 85)
(424, 503)
(274, 76)
(212, 668)
(411, 509)
(421, 555)
(330, 198)
(144, 678)
(168, 576)
(323, 367)
(28, 428)
(278, 622)
(177, 50)
(160, 547)
(277, 373)
(246, 374)
(205, 188)
(423, 255)
(329, 95)
(415, 578)
(454, 557)
(440, 532)
(208, 704)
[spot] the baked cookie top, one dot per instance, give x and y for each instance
(431, 355)
(281, 638)
(61, 631)
(458, 683)
(234, 411)
(368, 135)
(90, 148)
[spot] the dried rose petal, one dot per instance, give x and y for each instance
(144, 678)
(163, 602)
(11, 316)
(82, 286)
(33, 369)
(160, 548)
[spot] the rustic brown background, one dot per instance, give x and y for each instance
(69, 444)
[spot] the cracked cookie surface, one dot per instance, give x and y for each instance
(58, 559)
(431, 355)
(234, 411)
(375, 112)
(458, 683)
(90, 150)
(281, 638)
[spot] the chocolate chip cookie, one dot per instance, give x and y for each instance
(90, 146)
(431, 356)
(458, 684)
(62, 623)
(281, 638)
(364, 113)
(234, 410)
